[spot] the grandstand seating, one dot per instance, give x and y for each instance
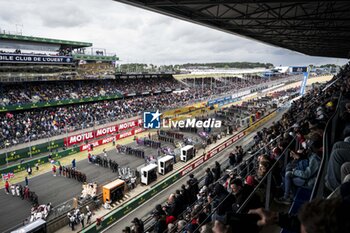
(209, 206)
(22, 93)
(23, 126)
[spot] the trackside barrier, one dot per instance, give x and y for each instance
(80, 138)
(46, 147)
(21, 167)
(58, 155)
(113, 216)
(30, 151)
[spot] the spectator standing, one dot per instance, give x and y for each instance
(73, 164)
(29, 170)
(209, 178)
(26, 180)
(13, 190)
(82, 219)
(54, 170)
(7, 187)
(160, 225)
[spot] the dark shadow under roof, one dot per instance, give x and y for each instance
(317, 28)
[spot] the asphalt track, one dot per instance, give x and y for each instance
(58, 190)
(144, 210)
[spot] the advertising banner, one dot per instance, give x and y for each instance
(110, 139)
(303, 84)
(299, 69)
(30, 151)
(30, 58)
(80, 138)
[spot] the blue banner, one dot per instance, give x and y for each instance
(303, 84)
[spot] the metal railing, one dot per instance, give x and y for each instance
(318, 190)
(248, 162)
(267, 177)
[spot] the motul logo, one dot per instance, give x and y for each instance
(127, 125)
(104, 131)
(187, 170)
(81, 137)
(107, 140)
(127, 134)
(199, 162)
(139, 130)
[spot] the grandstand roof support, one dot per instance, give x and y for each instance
(317, 28)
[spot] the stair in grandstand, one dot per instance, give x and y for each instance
(184, 83)
(25, 96)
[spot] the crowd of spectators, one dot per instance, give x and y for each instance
(22, 93)
(212, 203)
(33, 92)
(225, 84)
(25, 126)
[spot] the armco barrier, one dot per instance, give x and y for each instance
(44, 159)
(113, 216)
(21, 167)
(58, 103)
(94, 134)
(32, 150)
(59, 143)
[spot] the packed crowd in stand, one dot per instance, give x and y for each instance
(24, 126)
(23, 93)
(211, 204)
(222, 85)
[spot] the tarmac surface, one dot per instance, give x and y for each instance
(59, 189)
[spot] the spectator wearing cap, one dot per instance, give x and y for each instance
(250, 181)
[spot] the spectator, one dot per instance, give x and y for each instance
(318, 216)
(209, 178)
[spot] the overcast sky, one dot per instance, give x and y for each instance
(137, 35)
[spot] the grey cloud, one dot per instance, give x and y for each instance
(138, 35)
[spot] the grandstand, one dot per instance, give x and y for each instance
(77, 152)
(27, 58)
